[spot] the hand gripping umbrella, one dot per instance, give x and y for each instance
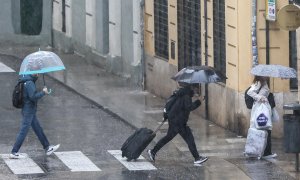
(41, 62)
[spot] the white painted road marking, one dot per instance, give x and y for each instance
(236, 140)
(4, 68)
(76, 161)
(140, 164)
(22, 166)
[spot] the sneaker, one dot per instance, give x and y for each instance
(51, 149)
(200, 160)
(273, 155)
(16, 156)
(151, 155)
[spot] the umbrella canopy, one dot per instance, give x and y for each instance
(198, 74)
(41, 62)
(273, 70)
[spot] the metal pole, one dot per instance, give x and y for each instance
(63, 12)
(297, 162)
(206, 58)
(267, 42)
(44, 80)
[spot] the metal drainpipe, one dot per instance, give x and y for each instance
(63, 13)
(206, 58)
(267, 42)
(52, 40)
(254, 35)
(143, 63)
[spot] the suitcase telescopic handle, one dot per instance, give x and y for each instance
(162, 123)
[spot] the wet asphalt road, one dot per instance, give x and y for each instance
(79, 125)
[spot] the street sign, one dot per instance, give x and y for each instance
(288, 17)
(271, 10)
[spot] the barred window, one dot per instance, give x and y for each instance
(219, 35)
(161, 28)
(189, 33)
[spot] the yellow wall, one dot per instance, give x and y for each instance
(244, 20)
(149, 28)
(172, 8)
(232, 44)
(279, 44)
(239, 45)
(238, 14)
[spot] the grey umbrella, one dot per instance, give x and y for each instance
(274, 70)
(198, 74)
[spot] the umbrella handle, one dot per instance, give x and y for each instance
(44, 80)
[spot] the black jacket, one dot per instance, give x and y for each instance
(180, 111)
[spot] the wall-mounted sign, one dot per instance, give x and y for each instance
(271, 10)
(288, 17)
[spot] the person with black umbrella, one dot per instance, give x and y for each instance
(177, 118)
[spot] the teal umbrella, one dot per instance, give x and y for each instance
(41, 62)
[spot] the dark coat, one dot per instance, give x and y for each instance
(30, 94)
(180, 111)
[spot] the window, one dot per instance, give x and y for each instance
(31, 16)
(189, 33)
(161, 28)
(219, 35)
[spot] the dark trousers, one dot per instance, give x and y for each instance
(185, 132)
(268, 149)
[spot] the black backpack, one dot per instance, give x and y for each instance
(248, 99)
(170, 102)
(17, 95)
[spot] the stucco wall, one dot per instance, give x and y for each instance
(158, 76)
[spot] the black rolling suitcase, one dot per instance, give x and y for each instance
(137, 142)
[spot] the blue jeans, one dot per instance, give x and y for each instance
(27, 121)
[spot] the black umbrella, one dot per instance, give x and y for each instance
(199, 74)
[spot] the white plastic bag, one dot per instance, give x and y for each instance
(275, 115)
(262, 116)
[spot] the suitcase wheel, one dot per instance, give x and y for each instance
(129, 159)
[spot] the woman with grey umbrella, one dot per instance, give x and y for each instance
(259, 91)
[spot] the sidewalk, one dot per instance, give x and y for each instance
(143, 109)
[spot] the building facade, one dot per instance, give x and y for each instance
(150, 41)
(107, 32)
(217, 33)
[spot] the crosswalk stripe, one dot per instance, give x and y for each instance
(76, 161)
(236, 140)
(140, 164)
(22, 166)
(4, 68)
